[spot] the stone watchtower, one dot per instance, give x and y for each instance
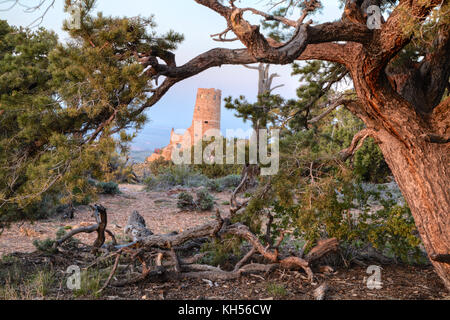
(206, 112)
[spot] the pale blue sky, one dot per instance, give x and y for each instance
(196, 23)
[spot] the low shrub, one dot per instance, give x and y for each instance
(230, 181)
(205, 200)
(45, 246)
(108, 188)
(214, 185)
(175, 176)
(185, 201)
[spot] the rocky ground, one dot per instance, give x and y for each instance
(45, 278)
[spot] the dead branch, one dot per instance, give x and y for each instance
(320, 292)
(234, 205)
(99, 227)
(101, 217)
(245, 259)
(322, 248)
(222, 36)
(357, 142)
(111, 274)
(174, 257)
(243, 232)
(188, 268)
(70, 234)
(268, 228)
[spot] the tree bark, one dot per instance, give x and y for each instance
(420, 172)
(419, 166)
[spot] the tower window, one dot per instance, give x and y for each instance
(206, 121)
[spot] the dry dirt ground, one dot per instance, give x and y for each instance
(162, 216)
(159, 210)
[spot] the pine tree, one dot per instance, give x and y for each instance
(65, 108)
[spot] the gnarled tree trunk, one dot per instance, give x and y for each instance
(419, 169)
(415, 146)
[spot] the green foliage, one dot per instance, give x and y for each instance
(314, 193)
(345, 210)
(175, 176)
(369, 164)
(91, 282)
(214, 185)
(45, 246)
(60, 105)
(277, 290)
(160, 165)
(220, 252)
(17, 284)
(169, 176)
(120, 170)
(185, 201)
(216, 170)
(108, 188)
(205, 200)
(42, 282)
(229, 182)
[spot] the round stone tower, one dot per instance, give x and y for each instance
(206, 117)
(207, 111)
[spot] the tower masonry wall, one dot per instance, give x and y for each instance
(207, 111)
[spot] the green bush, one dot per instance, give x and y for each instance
(159, 165)
(173, 176)
(185, 201)
(277, 290)
(214, 185)
(45, 246)
(108, 187)
(230, 181)
(219, 252)
(204, 200)
(346, 211)
(369, 164)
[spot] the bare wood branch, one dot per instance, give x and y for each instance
(111, 274)
(174, 257)
(322, 248)
(245, 259)
(320, 292)
(357, 142)
(242, 231)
